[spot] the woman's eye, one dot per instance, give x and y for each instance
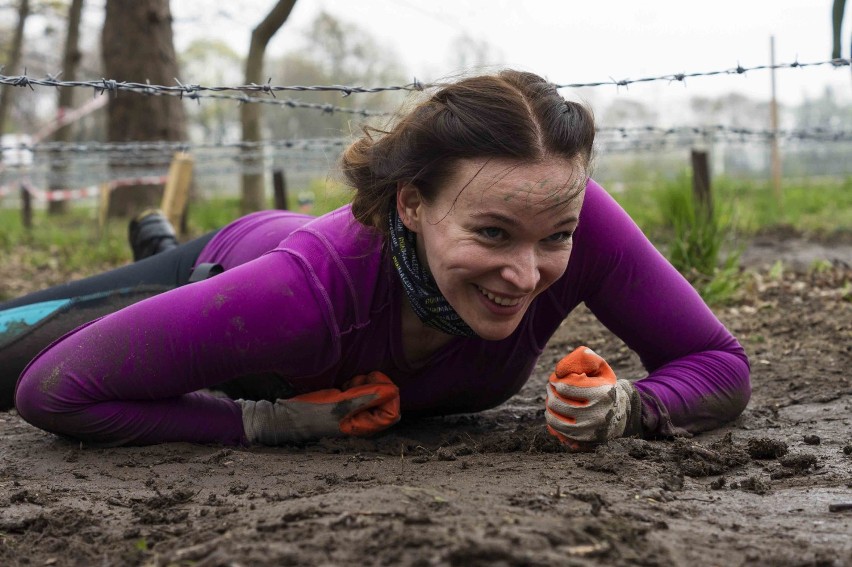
(559, 237)
(492, 233)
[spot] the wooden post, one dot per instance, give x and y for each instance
(103, 206)
(279, 187)
(701, 183)
(773, 119)
(26, 206)
(176, 193)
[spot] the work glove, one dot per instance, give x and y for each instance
(366, 405)
(586, 404)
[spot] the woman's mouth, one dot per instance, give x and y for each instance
(500, 300)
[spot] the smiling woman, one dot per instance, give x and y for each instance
(474, 231)
(499, 242)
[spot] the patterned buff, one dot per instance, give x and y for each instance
(430, 305)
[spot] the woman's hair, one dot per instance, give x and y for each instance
(512, 114)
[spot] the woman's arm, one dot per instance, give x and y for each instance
(132, 377)
(698, 373)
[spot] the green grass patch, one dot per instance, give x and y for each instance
(819, 207)
(322, 195)
(75, 244)
(73, 240)
(706, 248)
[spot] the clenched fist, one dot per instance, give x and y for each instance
(367, 404)
(587, 404)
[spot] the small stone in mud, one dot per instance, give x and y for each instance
(718, 483)
(764, 448)
(812, 439)
(444, 454)
(847, 450)
(754, 484)
(800, 462)
(639, 449)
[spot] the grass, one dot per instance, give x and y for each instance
(706, 248)
(324, 196)
(74, 244)
(73, 240)
(818, 208)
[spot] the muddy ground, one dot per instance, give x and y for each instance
(491, 488)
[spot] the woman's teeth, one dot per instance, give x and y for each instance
(504, 301)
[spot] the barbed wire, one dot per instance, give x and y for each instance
(170, 146)
(289, 103)
(193, 91)
(718, 132)
(655, 145)
(681, 77)
(220, 172)
(80, 168)
(730, 133)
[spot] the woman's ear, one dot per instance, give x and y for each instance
(409, 205)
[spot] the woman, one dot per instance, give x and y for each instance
(473, 232)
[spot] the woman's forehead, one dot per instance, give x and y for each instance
(541, 184)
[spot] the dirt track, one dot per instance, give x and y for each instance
(485, 489)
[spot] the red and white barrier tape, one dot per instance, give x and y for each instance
(64, 194)
(84, 192)
(150, 180)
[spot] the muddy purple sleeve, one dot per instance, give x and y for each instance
(132, 377)
(698, 372)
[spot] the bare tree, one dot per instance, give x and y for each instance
(137, 45)
(13, 61)
(253, 187)
(837, 27)
(334, 51)
(70, 62)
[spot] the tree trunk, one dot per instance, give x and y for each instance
(12, 62)
(137, 45)
(253, 189)
(70, 61)
(837, 28)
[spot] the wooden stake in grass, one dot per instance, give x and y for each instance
(26, 207)
(103, 205)
(279, 187)
(178, 182)
(701, 184)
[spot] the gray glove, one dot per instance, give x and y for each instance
(369, 405)
(587, 404)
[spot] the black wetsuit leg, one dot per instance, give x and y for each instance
(30, 323)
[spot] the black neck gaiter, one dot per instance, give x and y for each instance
(431, 307)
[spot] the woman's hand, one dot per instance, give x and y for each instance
(587, 404)
(367, 404)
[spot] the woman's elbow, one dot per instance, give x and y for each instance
(739, 386)
(36, 398)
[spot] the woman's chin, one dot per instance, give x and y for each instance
(494, 332)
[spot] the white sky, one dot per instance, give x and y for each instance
(570, 41)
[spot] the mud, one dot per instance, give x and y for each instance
(485, 489)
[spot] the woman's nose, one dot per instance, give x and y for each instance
(521, 270)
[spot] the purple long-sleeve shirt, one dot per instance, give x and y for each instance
(323, 305)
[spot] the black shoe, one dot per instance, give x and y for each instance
(150, 232)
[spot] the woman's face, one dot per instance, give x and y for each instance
(497, 235)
